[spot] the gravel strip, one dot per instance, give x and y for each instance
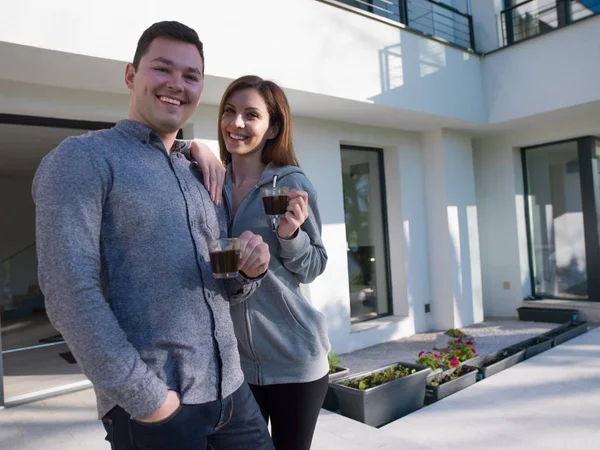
(490, 336)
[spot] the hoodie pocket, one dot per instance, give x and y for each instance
(286, 331)
(311, 315)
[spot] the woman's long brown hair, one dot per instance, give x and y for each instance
(280, 149)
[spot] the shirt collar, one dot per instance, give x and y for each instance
(135, 128)
(144, 133)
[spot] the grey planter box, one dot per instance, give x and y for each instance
(434, 373)
(472, 361)
(385, 403)
(532, 348)
(565, 332)
(331, 402)
(515, 357)
(435, 393)
(557, 315)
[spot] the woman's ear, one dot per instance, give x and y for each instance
(273, 131)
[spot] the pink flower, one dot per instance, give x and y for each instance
(454, 363)
(436, 356)
(470, 343)
(459, 340)
(474, 352)
(421, 353)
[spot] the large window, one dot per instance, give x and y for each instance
(366, 232)
(563, 192)
(522, 19)
(557, 221)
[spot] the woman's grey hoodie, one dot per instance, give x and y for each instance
(282, 338)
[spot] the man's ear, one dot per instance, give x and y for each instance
(273, 131)
(129, 75)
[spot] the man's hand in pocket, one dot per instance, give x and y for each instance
(168, 408)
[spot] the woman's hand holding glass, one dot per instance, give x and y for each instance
(295, 216)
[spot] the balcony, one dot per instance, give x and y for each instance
(426, 17)
(535, 17)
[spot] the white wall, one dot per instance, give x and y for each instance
(45, 101)
(407, 223)
(440, 255)
(464, 230)
(497, 205)
(452, 229)
(358, 58)
(548, 73)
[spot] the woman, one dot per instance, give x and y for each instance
(282, 339)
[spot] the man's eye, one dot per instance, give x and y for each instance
(193, 78)
(161, 69)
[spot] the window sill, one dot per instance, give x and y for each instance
(382, 322)
(561, 303)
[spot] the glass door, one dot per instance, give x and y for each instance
(556, 221)
(563, 193)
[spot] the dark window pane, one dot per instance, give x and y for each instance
(367, 254)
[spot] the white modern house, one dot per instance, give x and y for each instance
(454, 146)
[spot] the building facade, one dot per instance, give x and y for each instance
(453, 146)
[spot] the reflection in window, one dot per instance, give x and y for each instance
(364, 208)
(556, 221)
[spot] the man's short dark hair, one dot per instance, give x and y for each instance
(171, 30)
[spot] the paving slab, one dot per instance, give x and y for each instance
(550, 402)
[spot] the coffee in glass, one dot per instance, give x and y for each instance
(225, 257)
(275, 200)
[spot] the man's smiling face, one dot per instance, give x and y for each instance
(166, 88)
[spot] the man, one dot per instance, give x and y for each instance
(122, 228)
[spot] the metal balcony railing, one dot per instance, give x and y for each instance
(535, 17)
(428, 17)
(442, 21)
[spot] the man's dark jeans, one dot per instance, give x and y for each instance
(229, 424)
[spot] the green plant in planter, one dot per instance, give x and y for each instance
(531, 343)
(444, 378)
(560, 330)
(432, 360)
(334, 361)
(460, 350)
(455, 333)
(379, 378)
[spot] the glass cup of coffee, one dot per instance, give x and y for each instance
(275, 200)
(225, 257)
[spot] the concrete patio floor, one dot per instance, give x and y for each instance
(551, 401)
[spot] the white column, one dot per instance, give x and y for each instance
(407, 222)
(502, 229)
(455, 271)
